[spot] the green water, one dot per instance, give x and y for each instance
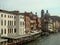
(53, 39)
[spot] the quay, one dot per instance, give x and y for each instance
(21, 39)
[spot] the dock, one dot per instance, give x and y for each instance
(21, 39)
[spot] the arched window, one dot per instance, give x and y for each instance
(15, 30)
(1, 31)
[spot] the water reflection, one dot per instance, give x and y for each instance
(53, 39)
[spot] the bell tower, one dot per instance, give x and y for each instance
(42, 13)
(42, 20)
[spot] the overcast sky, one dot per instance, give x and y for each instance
(32, 5)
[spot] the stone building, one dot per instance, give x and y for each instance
(56, 23)
(44, 20)
(39, 24)
(31, 22)
(27, 22)
(11, 23)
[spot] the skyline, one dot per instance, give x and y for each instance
(31, 5)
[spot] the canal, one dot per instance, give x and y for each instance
(53, 39)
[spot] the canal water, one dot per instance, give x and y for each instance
(53, 39)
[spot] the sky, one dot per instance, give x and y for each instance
(53, 6)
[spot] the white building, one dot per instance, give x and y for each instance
(11, 23)
(21, 25)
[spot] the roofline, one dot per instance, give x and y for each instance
(11, 12)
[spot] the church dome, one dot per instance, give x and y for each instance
(47, 15)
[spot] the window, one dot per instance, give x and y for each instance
(1, 31)
(8, 22)
(10, 30)
(14, 30)
(1, 22)
(14, 16)
(8, 16)
(4, 15)
(4, 22)
(21, 23)
(14, 22)
(21, 17)
(1, 15)
(5, 31)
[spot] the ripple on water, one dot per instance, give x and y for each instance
(53, 39)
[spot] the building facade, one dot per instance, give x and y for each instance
(31, 22)
(10, 23)
(39, 23)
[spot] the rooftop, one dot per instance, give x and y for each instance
(12, 12)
